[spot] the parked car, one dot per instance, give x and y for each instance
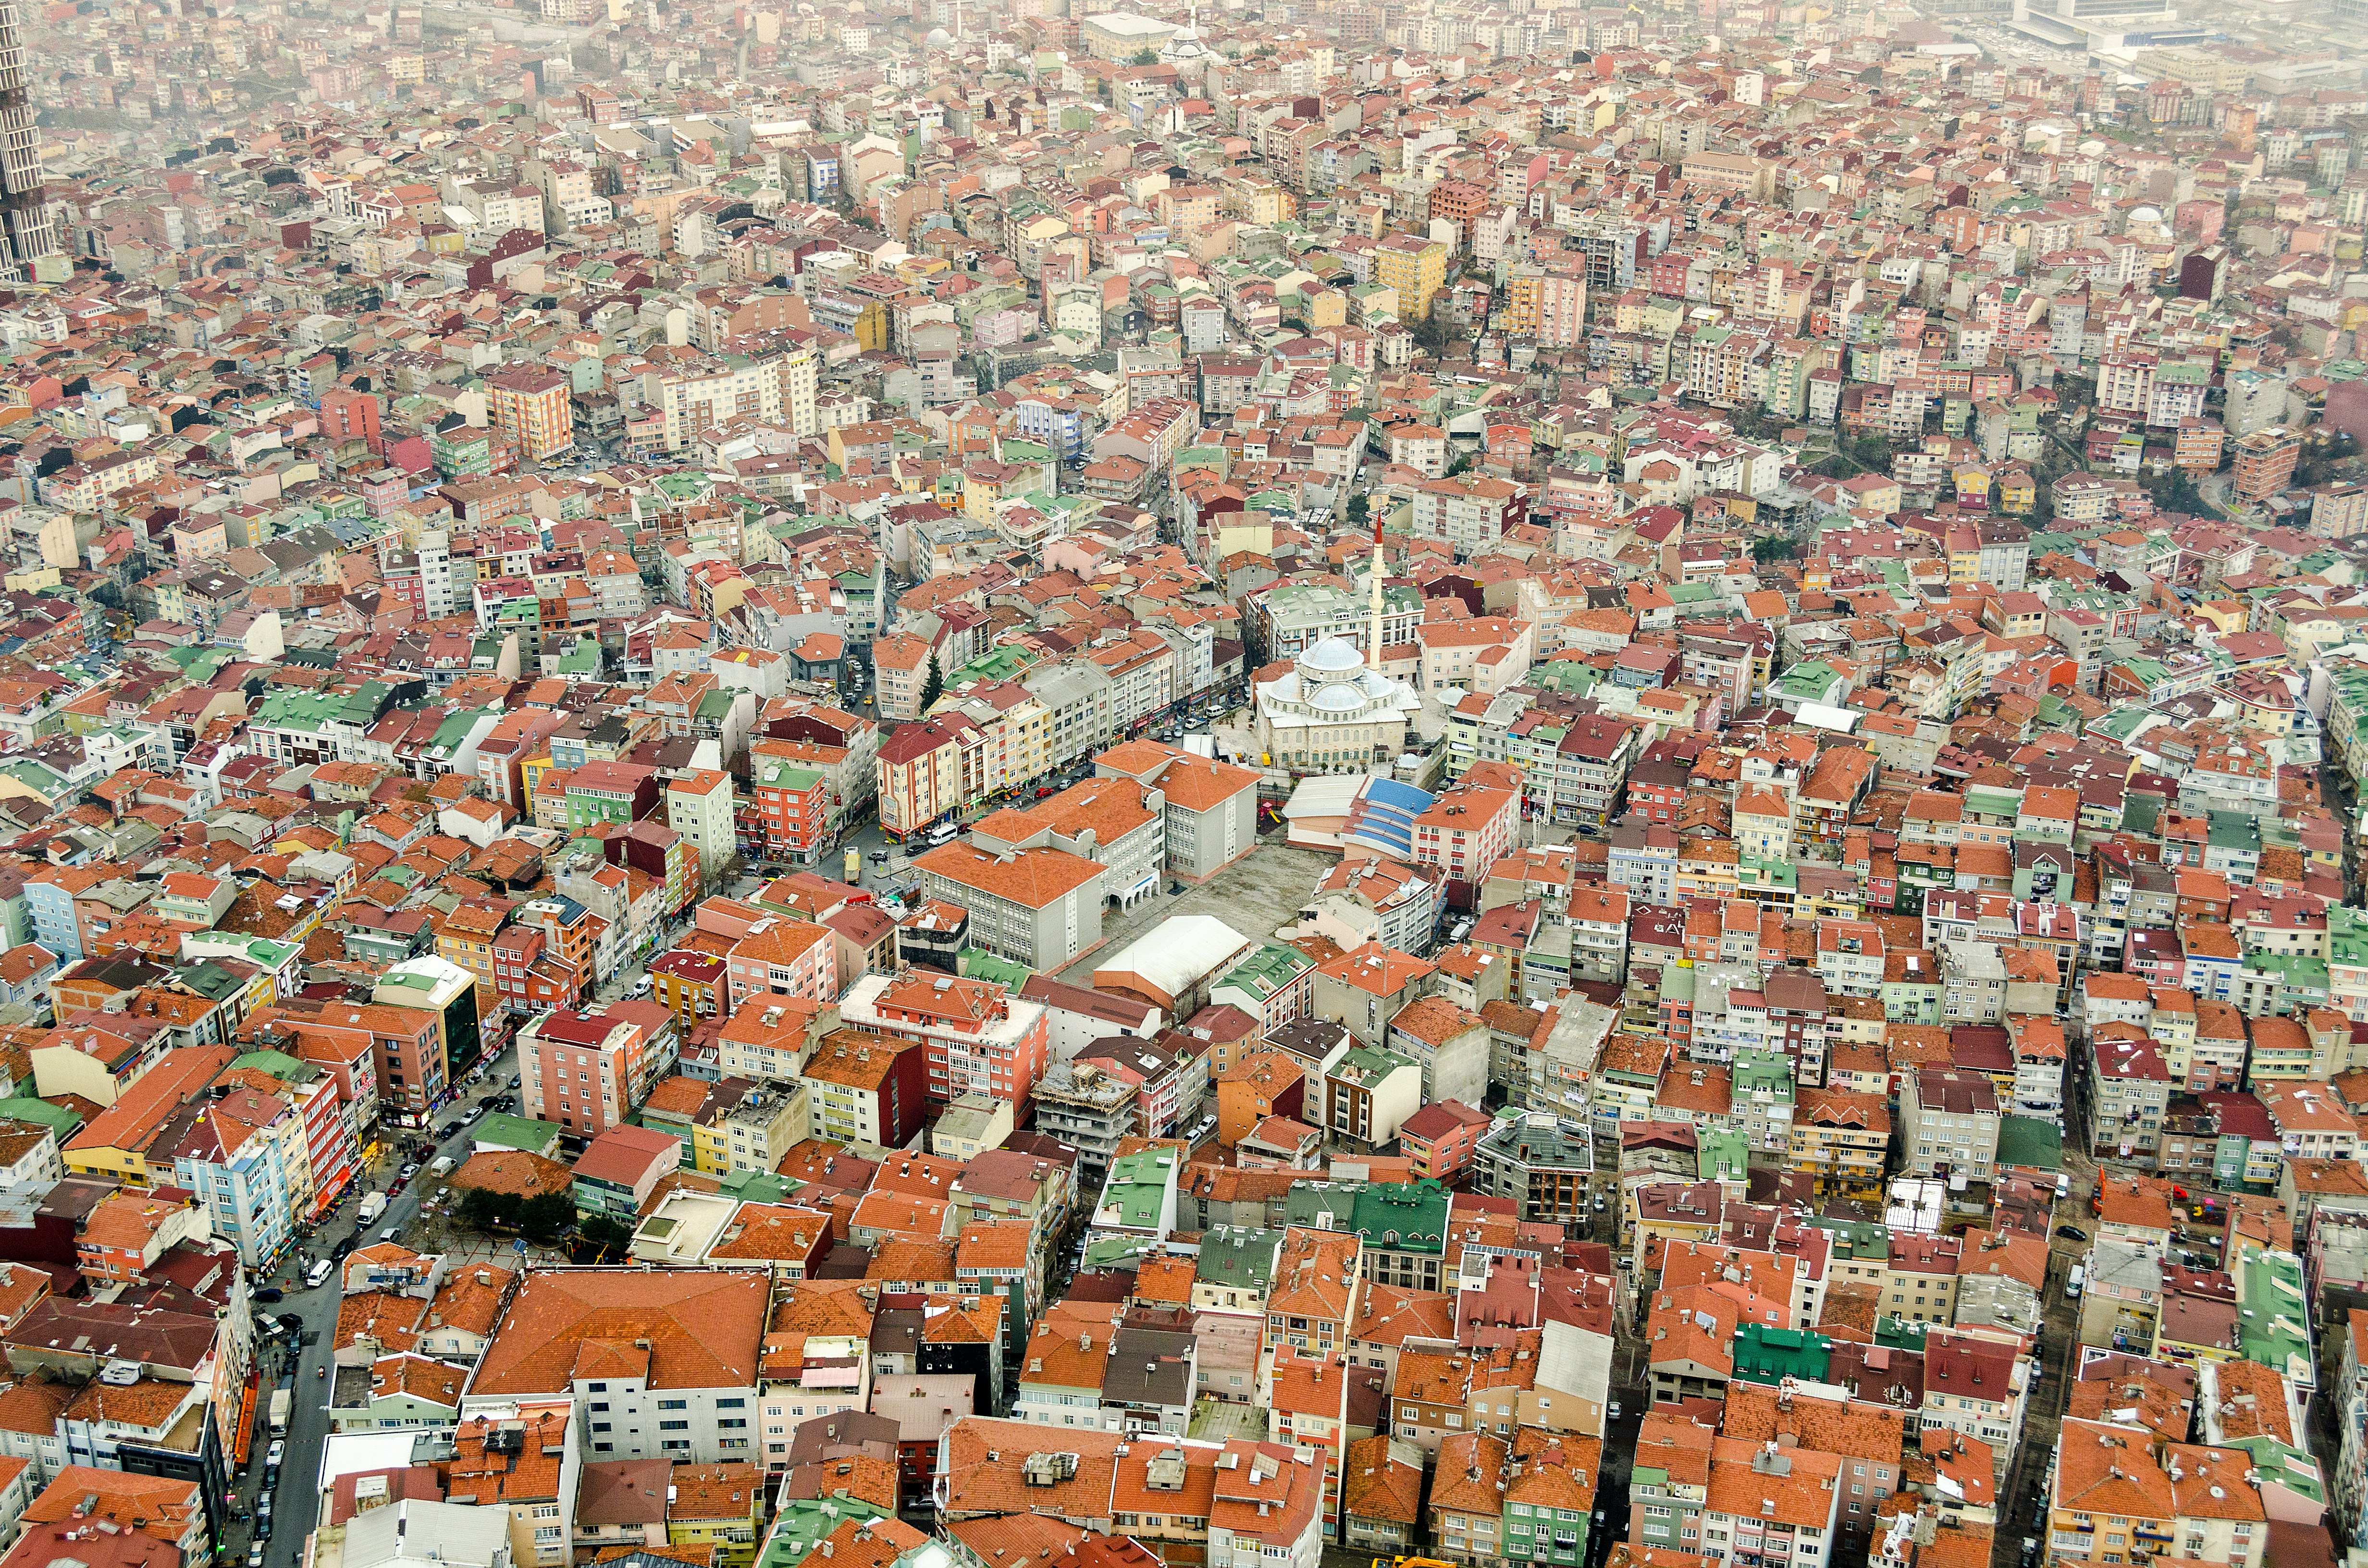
(269, 1293)
(278, 1451)
(389, 1233)
(2072, 1232)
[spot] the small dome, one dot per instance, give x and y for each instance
(1332, 653)
(939, 38)
(1337, 700)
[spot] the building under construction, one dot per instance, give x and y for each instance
(32, 247)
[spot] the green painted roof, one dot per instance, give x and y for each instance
(1766, 1355)
(2273, 1312)
(1722, 1154)
(976, 964)
(28, 1109)
(1237, 1255)
(280, 1064)
(2028, 1140)
(1137, 1189)
(1268, 970)
(516, 1132)
(1401, 1216)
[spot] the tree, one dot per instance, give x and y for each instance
(935, 686)
(2175, 492)
(481, 1208)
(605, 1235)
(1360, 510)
(1144, 57)
(1773, 547)
(544, 1215)
(1431, 333)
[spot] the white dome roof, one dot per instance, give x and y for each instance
(939, 37)
(1332, 653)
(1337, 700)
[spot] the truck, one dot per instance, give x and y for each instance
(855, 867)
(373, 1205)
(281, 1400)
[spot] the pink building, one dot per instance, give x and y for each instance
(977, 1038)
(587, 1071)
(1441, 1138)
(783, 957)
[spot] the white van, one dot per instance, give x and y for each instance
(2073, 1281)
(318, 1272)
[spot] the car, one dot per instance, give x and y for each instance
(277, 1451)
(291, 1320)
(2072, 1232)
(450, 1130)
(879, 857)
(389, 1233)
(395, 1188)
(1612, 1410)
(410, 1168)
(255, 1555)
(343, 1250)
(262, 1507)
(263, 1528)
(269, 1293)
(515, 1081)
(1046, 789)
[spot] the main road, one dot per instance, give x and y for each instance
(295, 1499)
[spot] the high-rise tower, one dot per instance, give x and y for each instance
(24, 210)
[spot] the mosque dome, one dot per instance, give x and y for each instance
(1333, 655)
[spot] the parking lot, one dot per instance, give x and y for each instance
(1254, 896)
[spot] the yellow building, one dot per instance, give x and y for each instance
(716, 1505)
(530, 409)
(2018, 494)
(711, 1144)
(1522, 291)
(1416, 268)
(1840, 1139)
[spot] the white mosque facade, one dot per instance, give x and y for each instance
(1329, 713)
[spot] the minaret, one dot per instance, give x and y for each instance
(30, 240)
(1373, 629)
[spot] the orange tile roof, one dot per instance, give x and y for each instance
(703, 1328)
